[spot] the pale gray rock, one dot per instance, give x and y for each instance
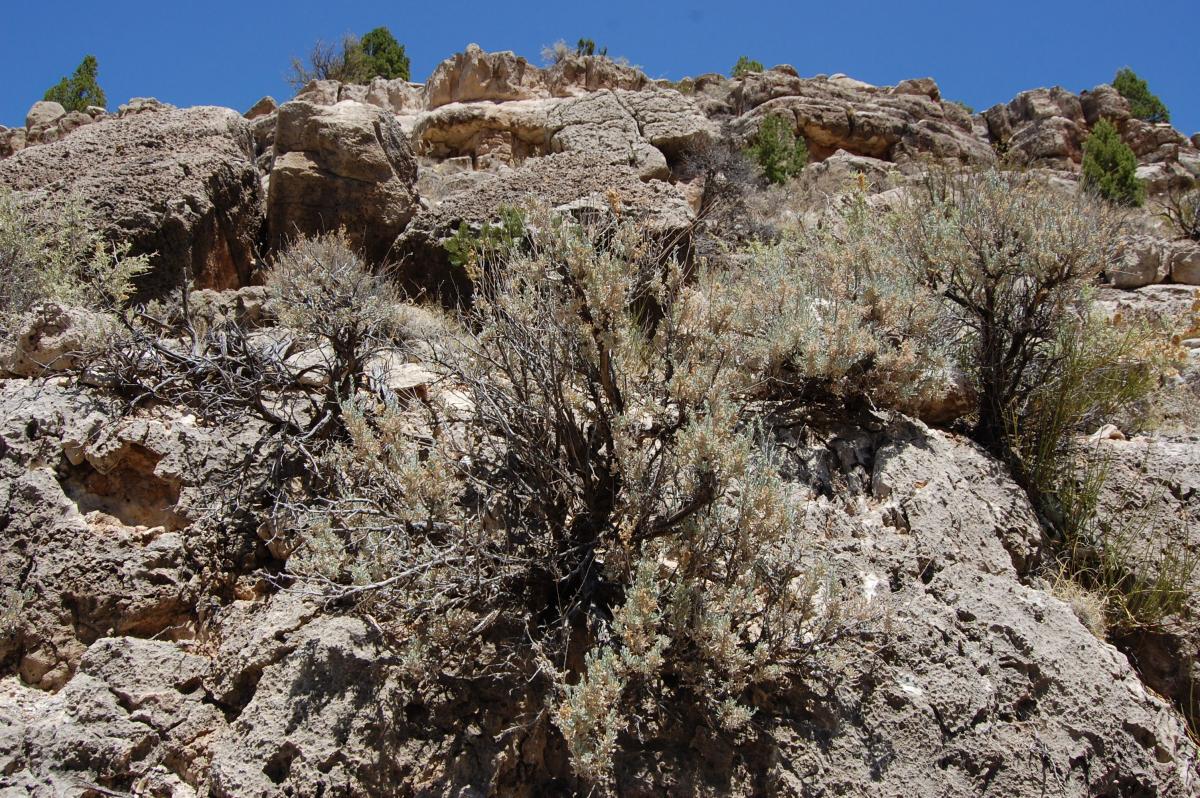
(1185, 262)
(600, 123)
(179, 185)
(477, 75)
(266, 105)
(50, 338)
(43, 114)
(346, 165)
(1139, 261)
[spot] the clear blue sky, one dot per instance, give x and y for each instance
(232, 53)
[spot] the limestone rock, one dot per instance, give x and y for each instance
(178, 184)
(142, 105)
(1185, 262)
(394, 95)
(477, 75)
(577, 74)
(896, 127)
(600, 123)
(1152, 496)
(1139, 261)
(43, 114)
(266, 105)
(670, 121)
(342, 165)
(559, 180)
(12, 141)
(505, 132)
(52, 338)
(1104, 102)
(925, 87)
(97, 542)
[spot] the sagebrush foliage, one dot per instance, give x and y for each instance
(57, 256)
(596, 504)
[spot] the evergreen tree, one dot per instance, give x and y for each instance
(779, 152)
(385, 57)
(1142, 104)
(80, 90)
(745, 65)
(1110, 168)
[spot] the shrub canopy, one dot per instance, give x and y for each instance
(746, 65)
(1110, 168)
(779, 152)
(80, 90)
(1142, 104)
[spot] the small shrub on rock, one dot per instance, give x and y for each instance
(57, 256)
(1182, 209)
(745, 66)
(1110, 168)
(1010, 256)
(779, 152)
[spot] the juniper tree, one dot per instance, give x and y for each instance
(80, 90)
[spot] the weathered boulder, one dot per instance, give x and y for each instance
(52, 338)
(904, 126)
(43, 114)
(668, 120)
(142, 105)
(577, 74)
(179, 184)
(1104, 102)
(477, 75)
(599, 123)
(345, 165)
(266, 105)
(12, 141)
(1185, 262)
(395, 95)
(502, 132)
(1139, 260)
(925, 87)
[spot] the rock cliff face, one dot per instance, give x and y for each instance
(150, 646)
(180, 184)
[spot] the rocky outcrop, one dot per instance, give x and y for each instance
(474, 75)
(1142, 260)
(954, 672)
(862, 120)
(1151, 499)
(1047, 127)
(573, 181)
(345, 165)
(98, 536)
(46, 122)
(177, 184)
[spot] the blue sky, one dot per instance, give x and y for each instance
(232, 53)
